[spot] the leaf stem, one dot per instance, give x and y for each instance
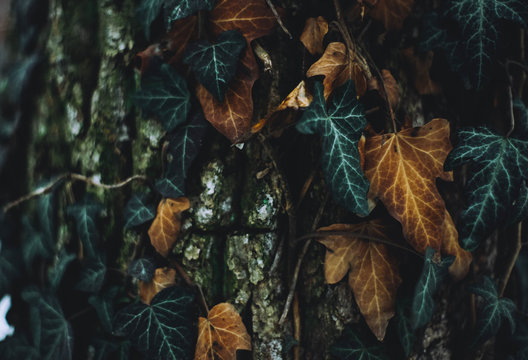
(279, 20)
(71, 177)
(513, 260)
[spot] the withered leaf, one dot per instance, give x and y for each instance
(338, 66)
(392, 13)
(233, 116)
(221, 334)
(313, 34)
(166, 226)
(374, 276)
(450, 246)
(402, 169)
(253, 18)
(422, 79)
(163, 278)
(391, 86)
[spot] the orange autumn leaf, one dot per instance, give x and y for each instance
(402, 169)
(163, 278)
(165, 228)
(233, 116)
(221, 334)
(391, 86)
(313, 34)
(450, 246)
(392, 13)
(172, 45)
(421, 72)
(373, 272)
(338, 66)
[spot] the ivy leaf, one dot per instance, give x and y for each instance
(498, 167)
(406, 182)
(163, 278)
(179, 9)
(215, 64)
(104, 306)
(142, 269)
(480, 25)
(340, 126)
(164, 93)
(374, 276)
(51, 330)
(85, 214)
(392, 13)
(46, 217)
(221, 334)
(147, 11)
(313, 34)
(495, 311)
(520, 207)
(9, 268)
(92, 275)
(521, 123)
(403, 325)
(433, 274)
(108, 349)
(352, 347)
(34, 244)
(57, 271)
(17, 347)
(163, 330)
(184, 146)
(138, 210)
(166, 226)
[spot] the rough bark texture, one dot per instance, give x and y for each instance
(235, 241)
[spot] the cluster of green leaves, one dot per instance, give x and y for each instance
(473, 48)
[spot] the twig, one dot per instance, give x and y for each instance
(306, 187)
(299, 262)
(288, 207)
(279, 20)
(343, 28)
(356, 235)
(512, 116)
(296, 326)
(278, 255)
(203, 298)
(513, 260)
(72, 177)
(364, 30)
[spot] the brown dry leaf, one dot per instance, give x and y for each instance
(361, 147)
(393, 91)
(313, 34)
(402, 169)
(392, 13)
(221, 334)
(338, 67)
(173, 44)
(163, 278)
(450, 246)
(299, 98)
(422, 79)
(233, 116)
(374, 276)
(165, 228)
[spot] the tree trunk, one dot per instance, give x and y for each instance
(73, 113)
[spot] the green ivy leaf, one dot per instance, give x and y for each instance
(9, 268)
(85, 214)
(480, 24)
(521, 122)
(34, 244)
(17, 347)
(46, 217)
(163, 330)
(520, 206)
(214, 65)
(352, 347)
(498, 167)
(142, 269)
(53, 335)
(341, 127)
(147, 11)
(92, 275)
(436, 36)
(114, 350)
(57, 271)
(179, 9)
(104, 306)
(433, 274)
(495, 311)
(405, 331)
(164, 93)
(138, 210)
(184, 146)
